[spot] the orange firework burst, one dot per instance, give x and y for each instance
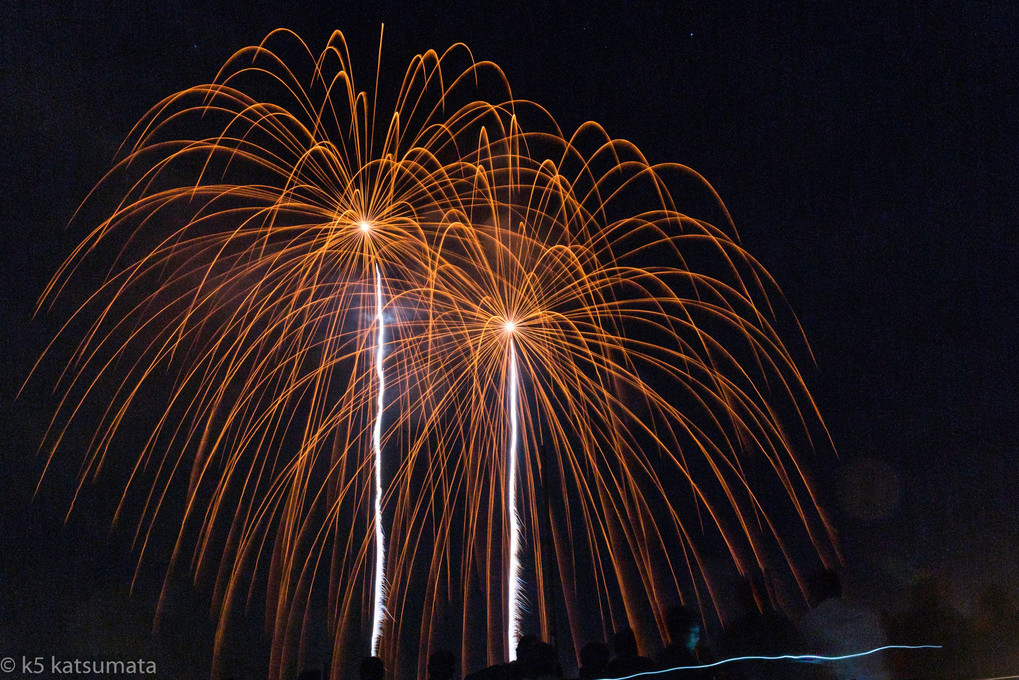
(505, 347)
(643, 392)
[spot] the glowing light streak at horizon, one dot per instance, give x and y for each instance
(379, 607)
(800, 658)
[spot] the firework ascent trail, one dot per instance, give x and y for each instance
(379, 596)
(513, 603)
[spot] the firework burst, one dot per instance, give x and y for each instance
(581, 382)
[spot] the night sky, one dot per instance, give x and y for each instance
(868, 157)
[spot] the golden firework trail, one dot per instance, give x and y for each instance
(426, 321)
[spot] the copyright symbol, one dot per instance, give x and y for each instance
(7, 665)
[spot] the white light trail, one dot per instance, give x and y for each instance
(805, 658)
(379, 595)
(513, 582)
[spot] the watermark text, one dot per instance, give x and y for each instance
(52, 666)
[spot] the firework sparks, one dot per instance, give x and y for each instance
(528, 291)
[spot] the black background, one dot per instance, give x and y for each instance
(867, 155)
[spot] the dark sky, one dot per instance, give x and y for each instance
(868, 157)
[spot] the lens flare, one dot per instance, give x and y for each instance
(408, 359)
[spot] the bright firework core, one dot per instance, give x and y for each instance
(509, 326)
(365, 225)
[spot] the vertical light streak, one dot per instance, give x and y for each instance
(513, 582)
(380, 539)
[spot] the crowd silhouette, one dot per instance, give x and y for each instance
(835, 625)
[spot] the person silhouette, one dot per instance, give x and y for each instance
(372, 668)
(594, 661)
(762, 630)
(442, 665)
(628, 659)
(838, 625)
(684, 635)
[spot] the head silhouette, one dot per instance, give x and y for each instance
(624, 643)
(442, 665)
(594, 660)
(825, 585)
(684, 628)
(372, 668)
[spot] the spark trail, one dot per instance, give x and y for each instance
(379, 596)
(513, 581)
